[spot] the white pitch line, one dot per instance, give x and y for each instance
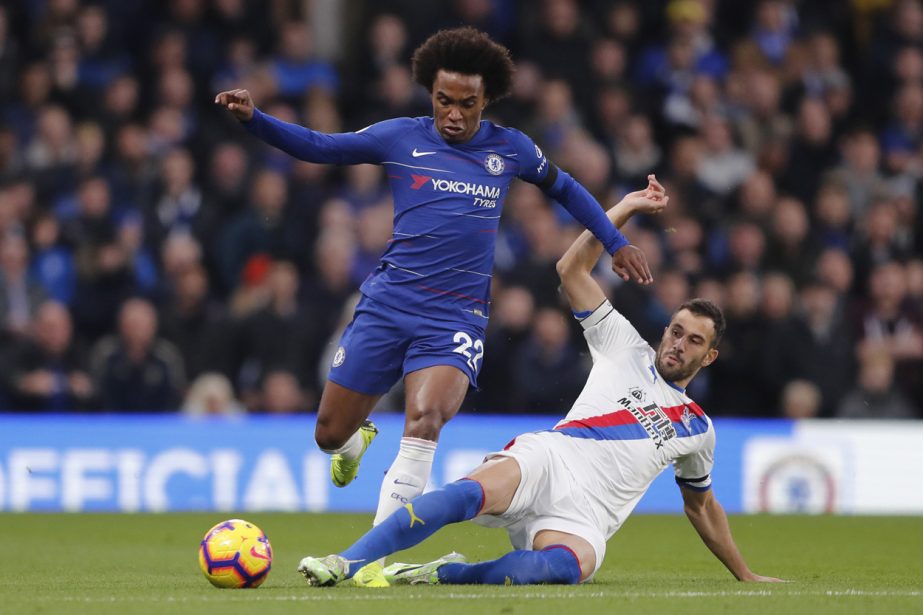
(372, 596)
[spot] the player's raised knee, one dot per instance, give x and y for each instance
(327, 438)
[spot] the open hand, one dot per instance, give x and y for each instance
(237, 102)
(651, 200)
(630, 263)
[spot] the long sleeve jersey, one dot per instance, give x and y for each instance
(448, 199)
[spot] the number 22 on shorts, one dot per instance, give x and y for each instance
(465, 346)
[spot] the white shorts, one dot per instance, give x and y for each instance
(548, 497)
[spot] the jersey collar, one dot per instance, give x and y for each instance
(654, 370)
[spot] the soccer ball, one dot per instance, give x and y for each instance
(235, 553)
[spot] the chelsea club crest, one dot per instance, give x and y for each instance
(494, 164)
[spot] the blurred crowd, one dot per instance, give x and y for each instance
(154, 257)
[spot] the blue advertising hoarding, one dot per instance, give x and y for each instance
(176, 463)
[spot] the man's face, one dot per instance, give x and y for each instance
(685, 347)
(458, 101)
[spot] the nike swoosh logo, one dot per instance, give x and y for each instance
(258, 554)
(417, 154)
(398, 481)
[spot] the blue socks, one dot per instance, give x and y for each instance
(416, 521)
(554, 565)
(460, 501)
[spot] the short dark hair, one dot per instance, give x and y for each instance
(467, 51)
(704, 307)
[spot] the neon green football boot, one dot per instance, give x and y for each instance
(324, 571)
(420, 574)
(370, 575)
(344, 471)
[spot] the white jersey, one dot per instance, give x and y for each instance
(632, 421)
(586, 475)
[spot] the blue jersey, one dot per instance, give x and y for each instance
(448, 199)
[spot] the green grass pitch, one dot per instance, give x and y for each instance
(126, 564)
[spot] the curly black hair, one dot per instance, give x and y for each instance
(467, 51)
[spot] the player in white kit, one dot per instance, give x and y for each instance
(562, 493)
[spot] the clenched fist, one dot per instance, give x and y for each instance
(237, 102)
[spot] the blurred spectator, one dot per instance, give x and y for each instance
(106, 274)
(691, 49)
(397, 96)
(560, 45)
(685, 243)
(52, 151)
(757, 197)
(635, 151)
(133, 170)
(278, 336)
(387, 46)
(179, 207)
(263, 228)
(548, 373)
(52, 263)
(835, 268)
(226, 183)
(513, 310)
(859, 172)
(777, 298)
(888, 319)
(9, 57)
(295, 68)
(546, 243)
(195, 324)
(791, 248)
(765, 124)
(723, 166)
(556, 117)
(875, 396)
(745, 248)
(774, 30)
(815, 346)
(120, 102)
(915, 284)
(877, 241)
(833, 216)
(253, 291)
(737, 384)
(373, 235)
(689, 108)
(190, 20)
(800, 400)
(811, 151)
(332, 283)
(135, 370)
(47, 372)
(20, 296)
(211, 394)
(100, 61)
(281, 394)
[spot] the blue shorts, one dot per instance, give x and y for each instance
(382, 344)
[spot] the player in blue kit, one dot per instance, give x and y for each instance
(425, 307)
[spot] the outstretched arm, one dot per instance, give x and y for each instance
(298, 141)
(708, 519)
(575, 267)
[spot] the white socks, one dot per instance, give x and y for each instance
(407, 476)
(350, 450)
